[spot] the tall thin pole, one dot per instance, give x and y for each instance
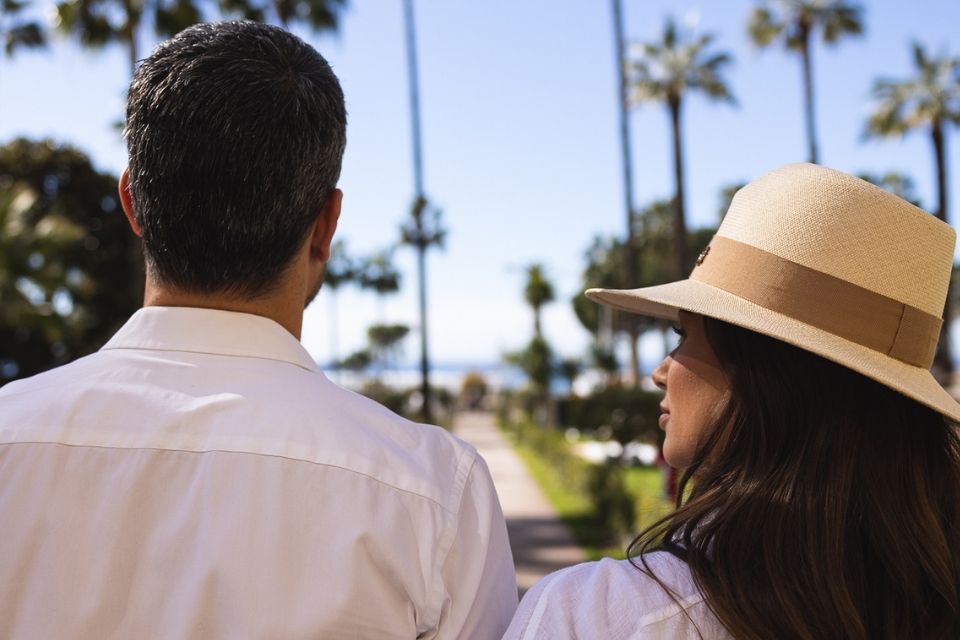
(414, 97)
(806, 56)
(944, 357)
(418, 207)
(631, 250)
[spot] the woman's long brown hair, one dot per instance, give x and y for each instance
(822, 505)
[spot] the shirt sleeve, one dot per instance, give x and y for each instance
(480, 580)
(612, 599)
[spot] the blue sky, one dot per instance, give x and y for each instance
(520, 142)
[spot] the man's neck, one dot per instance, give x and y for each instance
(280, 307)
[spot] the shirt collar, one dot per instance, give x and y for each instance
(210, 331)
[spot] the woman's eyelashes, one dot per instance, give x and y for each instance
(678, 329)
(681, 335)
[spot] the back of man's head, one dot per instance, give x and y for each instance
(235, 133)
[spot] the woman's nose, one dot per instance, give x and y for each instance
(659, 374)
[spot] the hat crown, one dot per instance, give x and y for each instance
(848, 228)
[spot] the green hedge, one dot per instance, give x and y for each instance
(551, 447)
(630, 414)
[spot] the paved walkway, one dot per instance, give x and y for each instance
(541, 542)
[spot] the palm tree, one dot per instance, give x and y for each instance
(97, 23)
(538, 291)
(318, 15)
(536, 360)
(630, 257)
(378, 274)
(424, 229)
(666, 71)
(930, 101)
(793, 22)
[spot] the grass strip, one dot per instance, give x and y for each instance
(572, 507)
(577, 510)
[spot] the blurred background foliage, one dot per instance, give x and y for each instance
(70, 267)
(71, 271)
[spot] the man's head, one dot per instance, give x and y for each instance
(235, 133)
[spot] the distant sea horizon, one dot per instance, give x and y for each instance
(449, 375)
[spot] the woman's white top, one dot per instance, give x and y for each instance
(611, 599)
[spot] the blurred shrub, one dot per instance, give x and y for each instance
(614, 504)
(629, 413)
(550, 446)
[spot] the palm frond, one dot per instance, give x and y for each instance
(761, 27)
(841, 20)
(664, 69)
(23, 36)
(794, 21)
(930, 96)
(919, 56)
(174, 17)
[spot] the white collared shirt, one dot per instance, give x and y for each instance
(200, 478)
(613, 600)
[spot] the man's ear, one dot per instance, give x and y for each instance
(126, 202)
(325, 226)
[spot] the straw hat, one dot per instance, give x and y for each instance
(829, 263)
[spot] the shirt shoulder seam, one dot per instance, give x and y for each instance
(444, 507)
(199, 351)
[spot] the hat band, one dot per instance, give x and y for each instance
(818, 299)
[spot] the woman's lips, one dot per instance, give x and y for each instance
(664, 417)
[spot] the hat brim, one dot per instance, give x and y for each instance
(664, 301)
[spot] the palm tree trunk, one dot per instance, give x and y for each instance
(805, 58)
(130, 33)
(536, 323)
(133, 55)
(633, 335)
(679, 214)
(631, 251)
(940, 159)
(419, 197)
(943, 357)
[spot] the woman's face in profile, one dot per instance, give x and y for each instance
(696, 390)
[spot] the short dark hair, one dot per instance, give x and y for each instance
(235, 134)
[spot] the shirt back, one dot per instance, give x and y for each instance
(199, 477)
